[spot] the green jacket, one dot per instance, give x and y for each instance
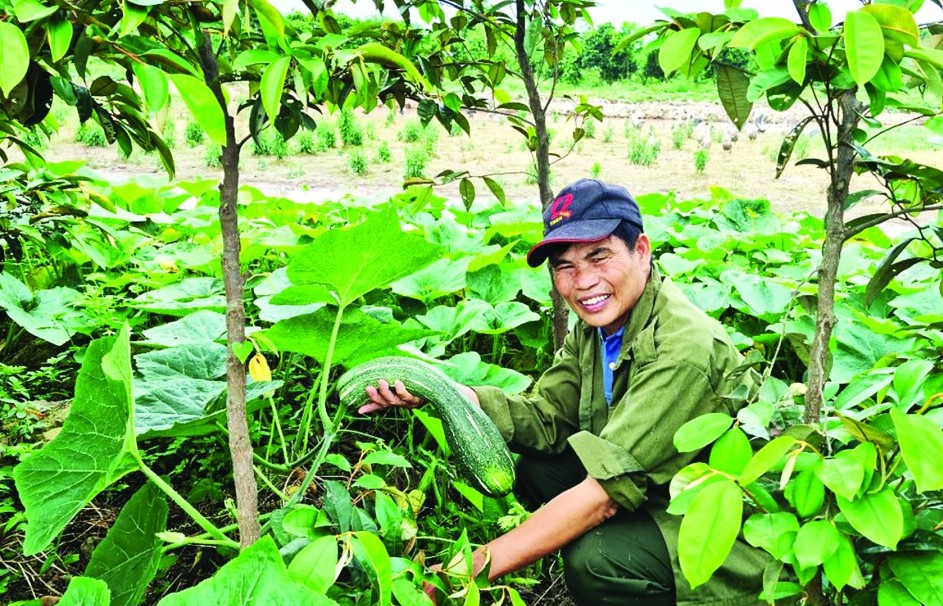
(674, 366)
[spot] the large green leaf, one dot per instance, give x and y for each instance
(796, 61)
(154, 84)
(272, 85)
(842, 567)
(468, 368)
(709, 530)
(439, 279)
(60, 37)
(202, 105)
(765, 458)
(256, 578)
(494, 283)
(772, 532)
(128, 556)
(731, 452)
(31, 10)
(732, 87)
(361, 337)
(90, 453)
(843, 474)
(675, 51)
(816, 542)
(316, 564)
(368, 547)
(896, 22)
(909, 379)
(47, 314)
(184, 297)
(365, 257)
(503, 317)
(864, 45)
(701, 431)
(456, 321)
(762, 31)
(764, 298)
(199, 327)
(921, 574)
(893, 593)
(877, 516)
(83, 591)
(14, 57)
(921, 444)
(857, 348)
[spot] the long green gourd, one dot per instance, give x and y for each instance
(481, 455)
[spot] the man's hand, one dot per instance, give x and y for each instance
(385, 396)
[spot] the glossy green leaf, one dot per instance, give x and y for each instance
(675, 52)
(132, 16)
(709, 530)
(90, 453)
(885, 271)
(229, 10)
(932, 56)
(762, 31)
(764, 298)
(843, 474)
(921, 444)
(765, 458)
(31, 10)
(896, 22)
(864, 45)
(272, 86)
(128, 556)
(203, 105)
(468, 368)
(921, 574)
(199, 327)
(257, 577)
(154, 84)
(796, 60)
(806, 494)
(842, 567)
(83, 591)
(356, 260)
(701, 431)
(893, 593)
(820, 16)
(368, 547)
(815, 543)
(443, 277)
(732, 87)
(731, 452)
(14, 57)
(861, 389)
(60, 37)
(909, 379)
(767, 530)
(316, 564)
(877, 516)
(360, 338)
(47, 314)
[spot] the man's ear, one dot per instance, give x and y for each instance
(643, 248)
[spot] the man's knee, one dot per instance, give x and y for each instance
(608, 566)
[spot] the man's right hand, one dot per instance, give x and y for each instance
(385, 395)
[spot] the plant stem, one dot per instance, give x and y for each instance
(175, 496)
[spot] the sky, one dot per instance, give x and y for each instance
(645, 12)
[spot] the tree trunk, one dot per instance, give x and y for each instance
(240, 445)
(542, 156)
(831, 255)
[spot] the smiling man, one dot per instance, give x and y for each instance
(596, 436)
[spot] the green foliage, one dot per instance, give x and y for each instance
(681, 132)
(412, 131)
(607, 134)
(213, 156)
(589, 128)
(701, 157)
(357, 162)
(193, 134)
(350, 130)
(305, 142)
(644, 149)
(90, 134)
(278, 146)
(416, 159)
(599, 47)
(327, 137)
(384, 155)
(596, 170)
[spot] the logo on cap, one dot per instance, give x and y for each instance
(560, 209)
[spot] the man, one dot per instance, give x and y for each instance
(596, 438)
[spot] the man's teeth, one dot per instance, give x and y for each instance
(595, 300)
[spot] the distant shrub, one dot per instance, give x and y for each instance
(416, 159)
(357, 162)
(350, 131)
(278, 147)
(644, 150)
(327, 138)
(169, 135)
(383, 153)
(430, 140)
(607, 134)
(680, 133)
(589, 128)
(91, 135)
(260, 146)
(700, 160)
(596, 170)
(305, 140)
(193, 134)
(412, 131)
(213, 157)
(390, 118)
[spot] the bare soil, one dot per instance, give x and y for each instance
(748, 168)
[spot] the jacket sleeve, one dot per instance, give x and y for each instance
(636, 448)
(540, 422)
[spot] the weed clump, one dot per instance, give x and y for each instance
(700, 160)
(91, 135)
(416, 160)
(357, 162)
(351, 133)
(193, 134)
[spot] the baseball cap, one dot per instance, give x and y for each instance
(585, 211)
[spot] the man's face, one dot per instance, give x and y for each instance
(603, 280)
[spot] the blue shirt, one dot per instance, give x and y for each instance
(611, 346)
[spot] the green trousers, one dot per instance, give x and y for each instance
(623, 561)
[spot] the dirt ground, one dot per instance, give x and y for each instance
(748, 168)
